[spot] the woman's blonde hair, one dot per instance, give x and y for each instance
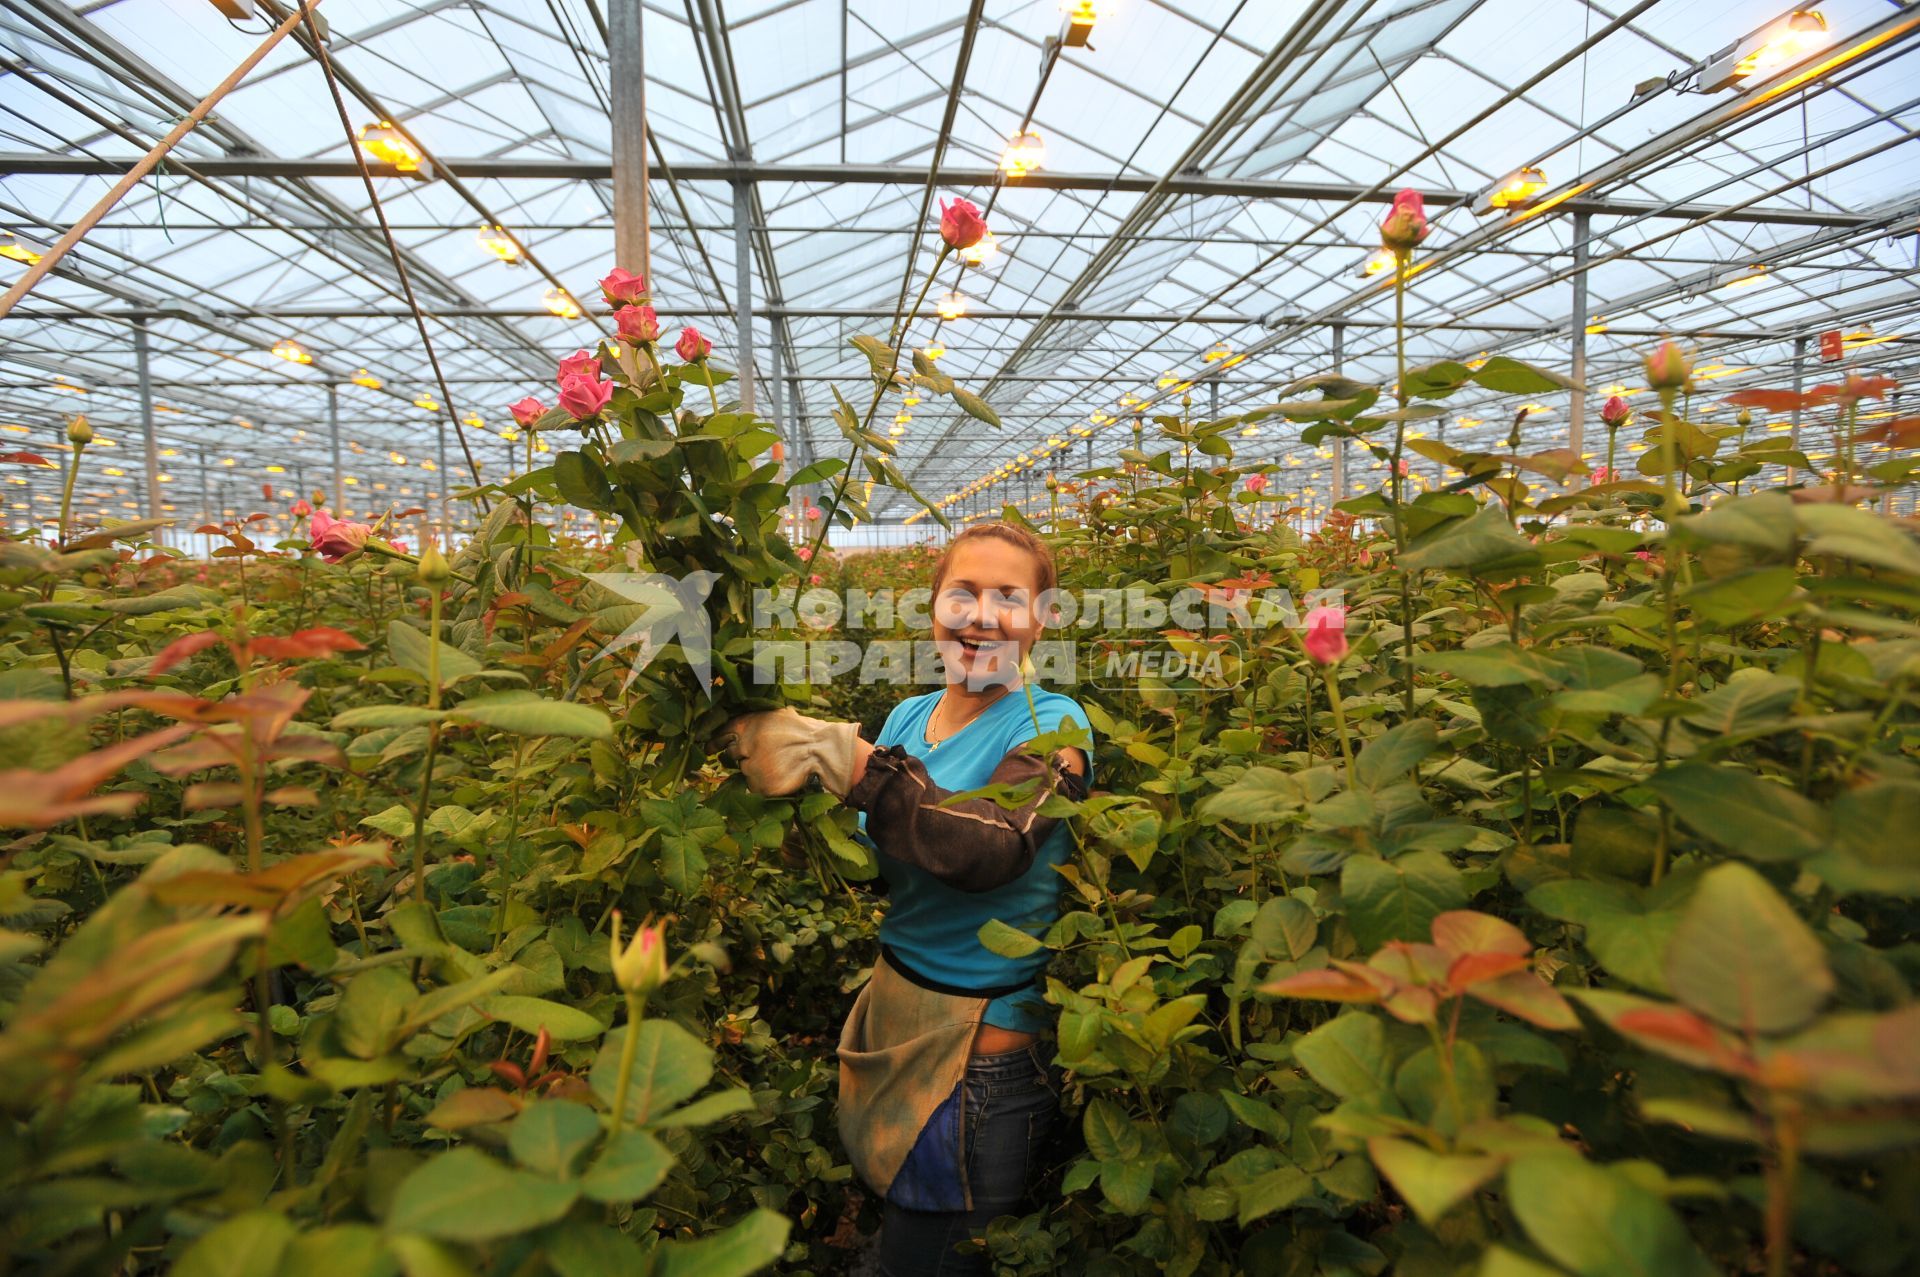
(1013, 535)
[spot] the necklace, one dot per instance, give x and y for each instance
(935, 744)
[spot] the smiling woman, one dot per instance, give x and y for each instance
(945, 1094)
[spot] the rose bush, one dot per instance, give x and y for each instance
(1547, 905)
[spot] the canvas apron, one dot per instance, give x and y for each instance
(903, 1061)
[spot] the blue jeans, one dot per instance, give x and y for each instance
(1012, 1101)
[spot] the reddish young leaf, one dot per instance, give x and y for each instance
(27, 459)
(1325, 986)
(1461, 931)
(1775, 400)
(1472, 968)
(183, 648)
(1526, 995)
(509, 1072)
(39, 800)
(304, 644)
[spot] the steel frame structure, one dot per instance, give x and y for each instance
(1226, 196)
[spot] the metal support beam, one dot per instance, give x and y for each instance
(631, 216)
(1577, 421)
(1340, 445)
(743, 287)
(151, 445)
(22, 164)
(333, 441)
(446, 488)
(1799, 388)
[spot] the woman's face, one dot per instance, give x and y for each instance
(984, 616)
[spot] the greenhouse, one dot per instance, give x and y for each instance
(970, 637)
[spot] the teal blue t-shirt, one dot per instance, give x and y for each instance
(935, 928)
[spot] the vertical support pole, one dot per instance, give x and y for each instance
(632, 233)
(1213, 397)
(333, 440)
(1339, 445)
(1577, 422)
(446, 495)
(1799, 388)
(206, 501)
(743, 286)
(145, 378)
(1089, 452)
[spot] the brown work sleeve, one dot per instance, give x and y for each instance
(972, 845)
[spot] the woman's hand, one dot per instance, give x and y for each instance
(778, 749)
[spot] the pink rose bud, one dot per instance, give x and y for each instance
(1668, 367)
(578, 364)
(1326, 637)
(637, 324)
(1615, 412)
(806, 553)
(961, 224)
(1405, 224)
(692, 347)
(815, 579)
(300, 509)
(528, 411)
(623, 289)
(1602, 475)
(1256, 483)
(585, 397)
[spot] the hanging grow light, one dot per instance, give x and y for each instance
(952, 306)
(1380, 262)
(933, 351)
(292, 352)
(981, 252)
(367, 379)
(1025, 153)
(1774, 46)
(428, 402)
(1516, 190)
(502, 245)
(1220, 351)
(560, 303)
(387, 144)
(12, 248)
(1746, 277)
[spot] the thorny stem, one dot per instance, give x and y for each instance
(712, 396)
(433, 748)
(1340, 722)
(66, 491)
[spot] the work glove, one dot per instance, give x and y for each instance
(778, 749)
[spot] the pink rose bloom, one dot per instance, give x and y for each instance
(692, 347)
(1366, 557)
(1405, 224)
(637, 324)
(334, 539)
(401, 546)
(1326, 636)
(578, 364)
(585, 397)
(527, 411)
(300, 509)
(1256, 483)
(622, 288)
(1615, 412)
(1401, 466)
(1645, 556)
(805, 552)
(813, 512)
(815, 579)
(961, 224)
(1602, 475)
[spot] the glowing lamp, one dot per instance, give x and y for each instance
(560, 303)
(428, 402)
(1768, 49)
(367, 379)
(981, 252)
(1080, 19)
(934, 351)
(1516, 190)
(952, 306)
(387, 144)
(1748, 277)
(502, 245)
(1025, 153)
(13, 249)
(1379, 262)
(1219, 352)
(291, 352)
